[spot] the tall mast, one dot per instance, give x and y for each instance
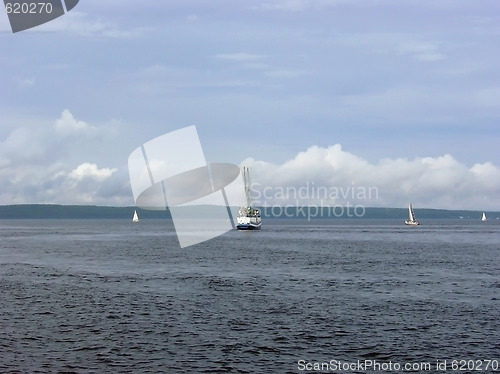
(246, 181)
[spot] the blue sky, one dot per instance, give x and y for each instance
(402, 95)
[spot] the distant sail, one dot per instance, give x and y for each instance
(136, 217)
(483, 218)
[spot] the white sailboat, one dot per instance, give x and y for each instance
(248, 216)
(135, 218)
(411, 221)
(483, 218)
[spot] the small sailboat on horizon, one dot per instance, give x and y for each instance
(411, 221)
(135, 218)
(483, 218)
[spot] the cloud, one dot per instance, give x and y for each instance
(487, 175)
(80, 23)
(68, 123)
(168, 80)
(240, 57)
(298, 5)
(487, 97)
(288, 73)
(423, 51)
(26, 82)
(49, 163)
(44, 142)
(402, 44)
(89, 170)
(24, 144)
(193, 18)
(330, 176)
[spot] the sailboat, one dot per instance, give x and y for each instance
(248, 216)
(135, 218)
(411, 221)
(483, 218)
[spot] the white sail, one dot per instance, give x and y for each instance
(136, 217)
(483, 218)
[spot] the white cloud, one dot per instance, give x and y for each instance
(67, 122)
(332, 176)
(89, 170)
(487, 175)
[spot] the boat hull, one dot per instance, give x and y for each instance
(412, 223)
(248, 226)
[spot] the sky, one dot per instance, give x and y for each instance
(398, 96)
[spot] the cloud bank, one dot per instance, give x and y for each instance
(330, 176)
(50, 164)
(70, 161)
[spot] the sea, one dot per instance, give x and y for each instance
(298, 296)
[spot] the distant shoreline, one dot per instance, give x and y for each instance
(55, 211)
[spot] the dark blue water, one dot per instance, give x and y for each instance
(111, 296)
